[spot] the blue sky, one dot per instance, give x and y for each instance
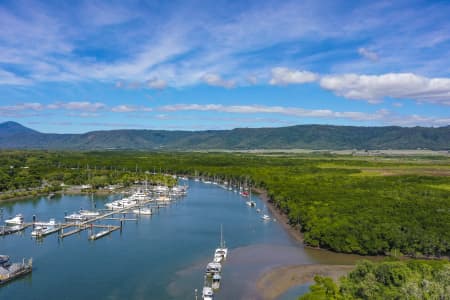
(77, 66)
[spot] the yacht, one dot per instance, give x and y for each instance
(213, 268)
(216, 281)
(139, 196)
(10, 271)
(17, 220)
(207, 293)
(51, 222)
(75, 217)
(40, 231)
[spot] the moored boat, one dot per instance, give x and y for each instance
(265, 217)
(17, 220)
(213, 268)
(143, 211)
(216, 281)
(75, 217)
(10, 271)
(207, 293)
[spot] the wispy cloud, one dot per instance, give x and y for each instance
(216, 80)
(285, 76)
(366, 53)
(130, 108)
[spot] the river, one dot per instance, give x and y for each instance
(156, 257)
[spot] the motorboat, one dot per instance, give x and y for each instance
(75, 217)
(51, 222)
(10, 271)
(213, 268)
(216, 281)
(40, 231)
(143, 211)
(139, 196)
(121, 204)
(17, 220)
(265, 217)
(207, 293)
(251, 203)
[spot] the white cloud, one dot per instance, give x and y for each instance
(285, 76)
(216, 80)
(81, 105)
(129, 108)
(123, 108)
(366, 53)
(373, 88)
(157, 83)
(291, 111)
(382, 116)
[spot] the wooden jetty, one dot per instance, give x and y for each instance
(108, 230)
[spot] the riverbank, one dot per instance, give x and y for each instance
(276, 282)
(282, 219)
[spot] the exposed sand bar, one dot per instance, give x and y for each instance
(276, 282)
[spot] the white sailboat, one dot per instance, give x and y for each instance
(221, 253)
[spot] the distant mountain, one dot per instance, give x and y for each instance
(8, 129)
(16, 136)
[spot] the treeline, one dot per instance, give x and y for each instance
(414, 279)
(338, 205)
(28, 170)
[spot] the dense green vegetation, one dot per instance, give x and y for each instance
(15, 136)
(341, 203)
(414, 279)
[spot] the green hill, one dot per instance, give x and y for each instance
(16, 136)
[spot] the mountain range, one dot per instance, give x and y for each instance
(16, 136)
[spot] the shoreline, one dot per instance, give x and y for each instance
(277, 281)
(293, 232)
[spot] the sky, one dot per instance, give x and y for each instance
(78, 66)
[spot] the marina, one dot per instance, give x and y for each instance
(149, 246)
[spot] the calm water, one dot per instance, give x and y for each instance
(157, 257)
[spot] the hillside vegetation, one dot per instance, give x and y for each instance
(15, 136)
